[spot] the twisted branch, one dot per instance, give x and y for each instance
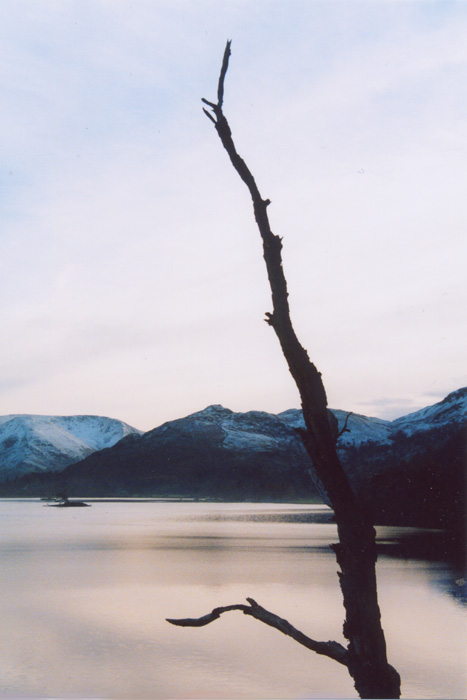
(333, 650)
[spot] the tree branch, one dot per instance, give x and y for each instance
(225, 65)
(331, 649)
(344, 429)
(209, 116)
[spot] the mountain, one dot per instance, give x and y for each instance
(407, 471)
(31, 443)
(420, 477)
(214, 453)
(380, 455)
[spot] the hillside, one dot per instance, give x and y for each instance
(214, 453)
(30, 443)
(407, 471)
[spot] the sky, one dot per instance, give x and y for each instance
(132, 283)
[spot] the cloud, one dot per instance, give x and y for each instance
(127, 235)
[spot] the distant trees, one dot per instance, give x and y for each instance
(365, 655)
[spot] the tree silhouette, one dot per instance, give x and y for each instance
(365, 655)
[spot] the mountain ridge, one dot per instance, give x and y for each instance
(31, 442)
(407, 471)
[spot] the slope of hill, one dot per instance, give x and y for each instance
(214, 453)
(31, 443)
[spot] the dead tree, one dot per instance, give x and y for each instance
(365, 655)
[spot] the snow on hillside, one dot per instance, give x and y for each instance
(263, 431)
(451, 409)
(255, 430)
(359, 428)
(32, 442)
(95, 431)
(49, 443)
(362, 429)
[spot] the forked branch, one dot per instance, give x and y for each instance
(333, 650)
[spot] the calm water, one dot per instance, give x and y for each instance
(84, 594)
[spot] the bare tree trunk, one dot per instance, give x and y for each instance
(356, 551)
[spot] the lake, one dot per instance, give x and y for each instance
(84, 594)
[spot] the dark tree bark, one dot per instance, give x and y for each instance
(365, 656)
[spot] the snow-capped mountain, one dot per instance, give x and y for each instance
(50, 443)
(407, 471)
(449, 412)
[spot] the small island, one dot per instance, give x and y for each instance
(62, 501)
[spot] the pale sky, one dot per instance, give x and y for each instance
(132, 283)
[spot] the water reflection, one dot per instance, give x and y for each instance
(83, 601)
(445, 555)
(319, 514)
